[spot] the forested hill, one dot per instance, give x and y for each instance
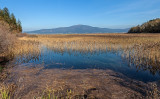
(13, 24)
(78, 29)
(152, 26)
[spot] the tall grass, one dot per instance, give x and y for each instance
(50, 93)
(142, 50)
(25, 51)
(7, 91)
(4, 93)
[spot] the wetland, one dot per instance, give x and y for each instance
(84, 66)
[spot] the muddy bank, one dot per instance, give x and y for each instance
(88, 83)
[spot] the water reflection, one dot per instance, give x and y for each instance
(85, 55)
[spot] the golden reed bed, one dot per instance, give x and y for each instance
(141, 49)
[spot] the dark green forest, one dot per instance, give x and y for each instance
(14, 24)
(152, 26)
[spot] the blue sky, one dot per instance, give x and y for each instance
(40, 14)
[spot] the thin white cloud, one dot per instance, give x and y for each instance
(130, 6)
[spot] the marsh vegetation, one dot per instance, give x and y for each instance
(142, 50)
(72, 62)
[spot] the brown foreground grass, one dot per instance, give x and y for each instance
(38, 83)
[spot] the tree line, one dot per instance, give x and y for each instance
(152, 26)
(14, 24)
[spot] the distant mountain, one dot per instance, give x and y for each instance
(78, 29)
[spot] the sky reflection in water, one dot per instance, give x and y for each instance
(89, 60)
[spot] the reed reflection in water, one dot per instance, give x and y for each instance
(127, 55)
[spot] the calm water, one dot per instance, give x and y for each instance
(89, 60)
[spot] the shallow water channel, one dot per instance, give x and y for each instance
(98, 59)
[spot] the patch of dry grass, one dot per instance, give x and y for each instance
(6, 39)
(25, 50)
(7, 91)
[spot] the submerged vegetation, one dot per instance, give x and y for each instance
(152, 26)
